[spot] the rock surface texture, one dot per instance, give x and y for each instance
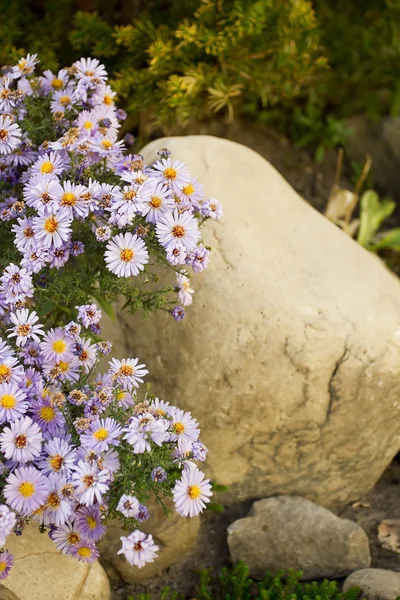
(288, 532)
(289, 356)
(41, 572)
(375, 584)
(6, 594)
(174, 535)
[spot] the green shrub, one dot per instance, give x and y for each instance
(236, 584)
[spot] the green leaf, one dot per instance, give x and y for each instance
(373, 212)
(216, 507)
(390, 240)
(216, 487)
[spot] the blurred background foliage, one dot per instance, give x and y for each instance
(300, 66)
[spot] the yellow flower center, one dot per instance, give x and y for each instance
(68, 199)
(23, 330)
(127, 255)
(53, 501)
(189, 189)
(179, 428)
(178, 231)
(88, 125)
(56, 462)
(3, 134)
(57, 83)
(85, 552)
(91, 521)
(101, 434)
(20, 441)
(47, 413)
(155, 202)
(26, 489)
(126, 370)
(59, 346)
(107, 100)
(194, 492)
(73, 538)
(106, 144)
(3, 566)
(8, 401)
(170, 173)
(51, 225)
(64, 100)
(5, 373)
(63, 366)
(47, 167)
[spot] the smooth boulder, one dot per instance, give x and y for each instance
(375, 584)
(41, 572)
(288, 532)
(289, 356)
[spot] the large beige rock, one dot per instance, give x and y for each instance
(290, 354)
(375, 584)
(174, 535)
(288, 532)
(41, 572)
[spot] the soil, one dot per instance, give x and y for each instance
(313, 182)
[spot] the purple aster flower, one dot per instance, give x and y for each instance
(102, 434)
(138, 548)
(16, 282)
(89, 482)
(129, 139)
(22, 440)
(143, 430)
(88, 314)
(128, 506)
(6, 562)
(176, 254)
(212, 208)
(57, 508)
(88, 523)
(58, 457)
(72, 330)
(49, 417)
(96, 329)
(127, 372)
(103, 234)
(199, 451)
(56, 345)
(184, 427)
(7, 523)
(65, 537)
(13, 402)
(173, 227)
(121, 114)
(54, 228)
(26, 489)
(85, 552)
(178, 312)
(143, 514)
(198, 259)
(31, 354)
(158, 475)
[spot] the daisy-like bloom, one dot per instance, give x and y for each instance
(126, 255)
(35, 260)
(173, 227)
(8, 97)
(50, 82)
(72, 199)
(157, 200)
(10, 371)
(102, 434)
(25, 66)
(86, 353)
(85, 552)
(158, 475)
(26, 489)
(24, 234)
(72, 330)
(88, 523)
(198, 259)
(57, 508)
(7, 523)
(65, 370)
(56, 345)
(31, 354)
(199, 451)
(6, 562)
(5, 350)
(21, 441)
(185, 291)
(13, 402)
(138, 548)
(65, 537)
(128, 506)
(127, 372)
(104, 95)
(89, 482)
(62, 100)
(49, 417)
(173, 173)
(103, 233)
(212, 208)
(88, 314)
(52, 229)
(176, 254)
(161, 407)
(58, 457)
(16, 283)
(192, 193)
(42, 193)
(86, 123)
(183, 427)
(143, 430)
(48, 164)
(90, 67)
(10, 135)
(191, 493)
(24, 327)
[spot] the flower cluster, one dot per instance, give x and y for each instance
(79, 217)
(77, 448)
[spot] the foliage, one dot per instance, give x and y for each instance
(236, 584)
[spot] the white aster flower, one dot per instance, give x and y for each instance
(191, 493)
(173, 227)
(126, 255)
(24, 326)
(10, 135)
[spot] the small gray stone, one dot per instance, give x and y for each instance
(375, 584)
(289, 532)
